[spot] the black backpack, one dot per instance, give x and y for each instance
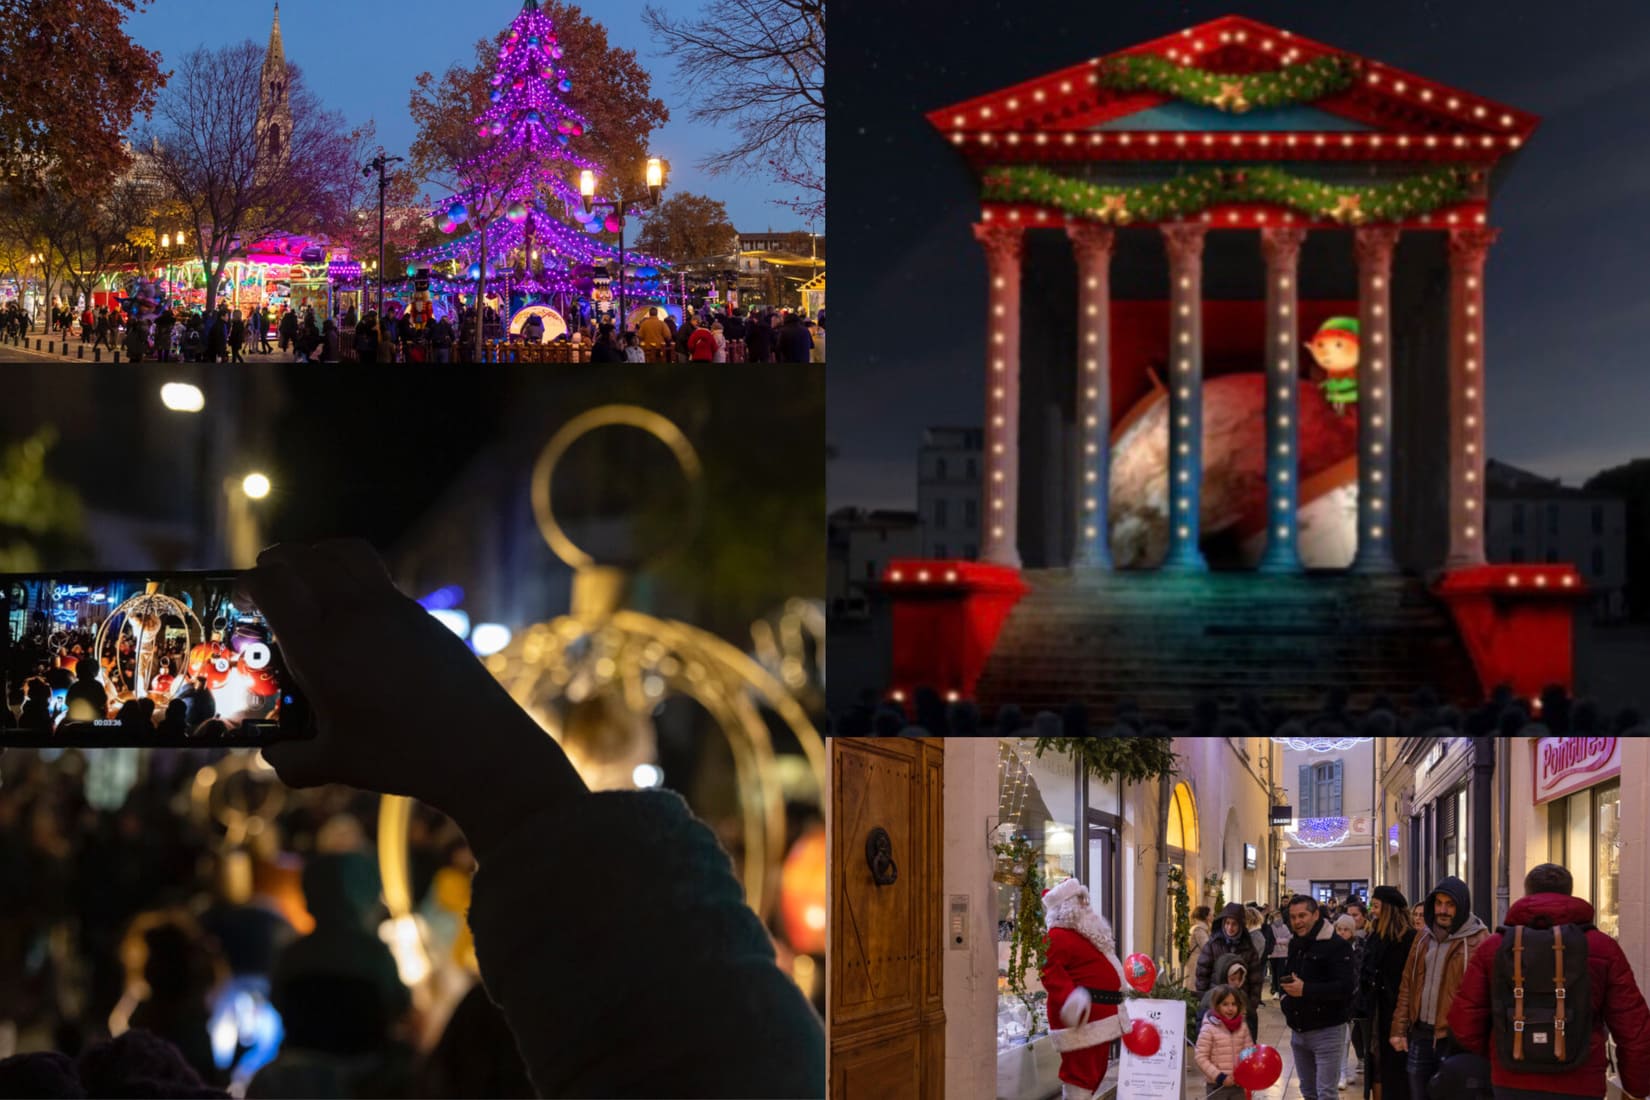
(1541, 997)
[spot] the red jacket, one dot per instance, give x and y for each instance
(1075, 965)
(1617, 1004)
(702, 345)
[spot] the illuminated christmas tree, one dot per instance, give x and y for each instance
(521, 173)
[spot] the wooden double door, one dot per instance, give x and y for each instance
(887, 1008)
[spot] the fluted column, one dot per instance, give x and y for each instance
(1003, 246)
(1092, 245)
(1281, 362)
(1373, 246)
(1467, 251)
(1184, 243)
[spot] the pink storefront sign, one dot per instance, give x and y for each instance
(1564, 765)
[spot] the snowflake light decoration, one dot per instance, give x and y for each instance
(1320, 832)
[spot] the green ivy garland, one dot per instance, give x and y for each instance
(1203, 188)
(1236, 92)
(1211, 882)
(1182, 913)
(1132, 759)
(1030, 938)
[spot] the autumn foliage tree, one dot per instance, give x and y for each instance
(71, 84)
(689, 228)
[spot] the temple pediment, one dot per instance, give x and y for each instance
(1235, 88)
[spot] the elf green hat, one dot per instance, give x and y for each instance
(1344, 326)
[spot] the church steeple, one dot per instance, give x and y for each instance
(277, 51)
(274, 114)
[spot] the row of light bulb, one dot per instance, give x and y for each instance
(1014, 213)
(1263, 139)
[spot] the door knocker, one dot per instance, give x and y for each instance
(879, 853)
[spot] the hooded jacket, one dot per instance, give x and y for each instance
(1207, 976)
(1323, 963)
(1462, 942)
(1223, 967)
(1617, 1004)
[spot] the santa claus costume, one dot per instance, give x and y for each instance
(1084, 980)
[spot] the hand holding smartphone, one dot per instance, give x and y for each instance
(152, 660)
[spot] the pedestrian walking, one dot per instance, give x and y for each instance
(1280, 949)
(1346, 927)
(1317, 985)
(237, 337)
(263, 331)
(1386, 949)
(1432, 974)
(1222, 1036)
(1200, 929)
(1548, 946)
(1230, 937)
(288, 329)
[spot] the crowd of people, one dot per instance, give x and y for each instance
(227, 334)
(160, 940)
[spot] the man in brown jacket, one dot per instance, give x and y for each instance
(1437, 960)
(654, 335)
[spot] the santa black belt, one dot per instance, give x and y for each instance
(1106, 996)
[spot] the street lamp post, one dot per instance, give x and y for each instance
(381, 165)
(656, 172)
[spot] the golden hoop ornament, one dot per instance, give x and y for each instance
(639, 659)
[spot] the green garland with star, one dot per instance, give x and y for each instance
(1197, 191)
(1307, 82)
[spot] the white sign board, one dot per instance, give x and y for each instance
(1162, 1076)
(1567, 764)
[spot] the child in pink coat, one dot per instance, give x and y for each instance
(1223, 1036)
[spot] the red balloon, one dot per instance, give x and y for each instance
(1143, 1038)
(1258, 1067)
(1140, 972)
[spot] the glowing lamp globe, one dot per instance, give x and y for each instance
(457, 212)
(802, 893)
(612, 223)
(565, 85)
(475, 271)
(517, 212)
(412, 270)
(1143, 1038)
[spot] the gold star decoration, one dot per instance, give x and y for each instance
(1231, 97)
(1346, 209)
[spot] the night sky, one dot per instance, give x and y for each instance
(1565, 283)
(360, 56)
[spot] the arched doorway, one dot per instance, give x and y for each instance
(1237, 888)
(1183, 849)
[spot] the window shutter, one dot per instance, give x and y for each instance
(1447, 823)
(1305, 792)
(1336, 812)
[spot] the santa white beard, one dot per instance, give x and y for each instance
(1086, 921)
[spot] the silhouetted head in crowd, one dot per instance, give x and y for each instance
(965, 720)
(1075, 719)
(888, 722)
(931, 712)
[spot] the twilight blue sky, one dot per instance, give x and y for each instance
(360, 56)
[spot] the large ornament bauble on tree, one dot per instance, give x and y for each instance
(533, 40)
(448, 226)
(612, 223)
(1140, 972)
(498, 79)
(458, 213)
(565, 85)
(563, 138)
(594, 225)
(495, 95)
(1143, 1038)
(555, 52)
(576, 129)
(519, 84)
(532, 116)
(1257, 1067)
(498, 128)
(517, 212)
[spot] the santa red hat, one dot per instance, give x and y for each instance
(1063, 892)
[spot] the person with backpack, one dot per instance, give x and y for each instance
(1549, 942)
(1432, 974)
(1318, 983)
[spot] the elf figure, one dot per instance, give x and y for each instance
(1335, 347)
(1084, 980)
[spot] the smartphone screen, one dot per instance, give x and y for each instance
(163, 660)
